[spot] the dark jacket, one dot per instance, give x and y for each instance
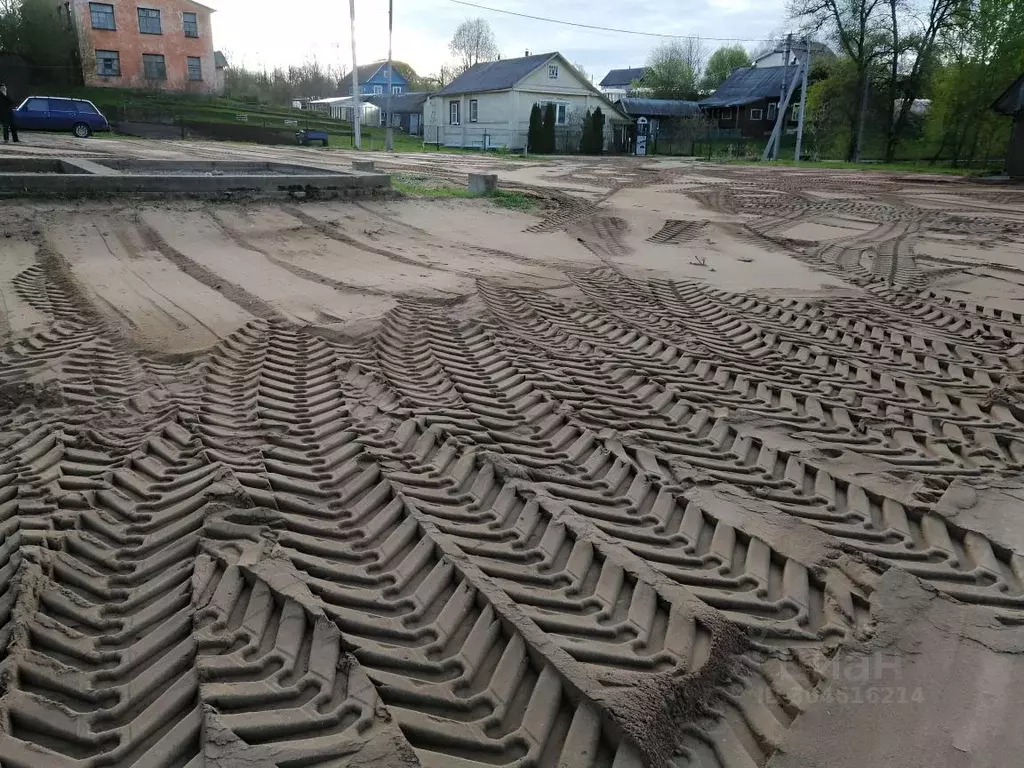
(6, 107)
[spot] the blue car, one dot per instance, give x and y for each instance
(52, 113)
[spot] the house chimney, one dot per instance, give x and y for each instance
(527, 51)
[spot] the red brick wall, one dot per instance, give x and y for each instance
(132, 44)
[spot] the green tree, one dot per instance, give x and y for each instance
(548, 130)
(535, 140)
(673, 70)
(858, 28)
(586, 140)
(721, 65)
(597, 132)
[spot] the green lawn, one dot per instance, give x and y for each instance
(414, 185)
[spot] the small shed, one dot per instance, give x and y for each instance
(406, 110)
(657, 112)
(1012, 103)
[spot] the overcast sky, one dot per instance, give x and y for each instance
(271, 32)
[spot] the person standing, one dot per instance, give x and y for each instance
(7, 114)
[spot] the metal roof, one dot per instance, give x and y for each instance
(401, 102)
(1012, 100)
(749, 84)
(658, 107)
(495, 75)
(622, 77)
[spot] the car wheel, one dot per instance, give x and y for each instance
(82, 130)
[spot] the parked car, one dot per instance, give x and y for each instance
(52, 113)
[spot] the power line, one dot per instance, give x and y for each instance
(613, 29)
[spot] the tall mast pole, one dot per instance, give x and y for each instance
(356, 108)
(389, 137)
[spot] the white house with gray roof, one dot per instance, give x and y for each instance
(488, 105)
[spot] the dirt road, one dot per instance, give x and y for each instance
(690, 466)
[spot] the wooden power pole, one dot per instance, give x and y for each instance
(803, 99)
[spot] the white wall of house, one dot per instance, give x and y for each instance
(503, 117)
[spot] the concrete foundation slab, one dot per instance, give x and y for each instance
(26, 177)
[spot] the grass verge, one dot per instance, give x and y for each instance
(414, 185)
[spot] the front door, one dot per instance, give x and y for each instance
(414, 124)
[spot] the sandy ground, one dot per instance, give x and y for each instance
(691, 465)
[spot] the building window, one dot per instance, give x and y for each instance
(378, 90)
(794, 113)
(102, 16)
(154, 66)
(108, 63)
(727, 114)
(772, 110)
(553, 71)
(757, 114)
(190, 22)
(195, 68)
(453, 112)
(473, 110)
(149, 21)
(396, 89)
(561, 110)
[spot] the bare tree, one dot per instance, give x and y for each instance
(913, 42)
(472, 43)
(857, 29)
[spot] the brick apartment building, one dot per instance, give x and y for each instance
(162, 44)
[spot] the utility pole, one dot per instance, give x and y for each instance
(389, 137)
(356, 109)
(785, 87)
(771, 149)
(803, 99)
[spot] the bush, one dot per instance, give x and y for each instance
(548, 131)
(534, 140)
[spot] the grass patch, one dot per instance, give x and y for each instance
(416, 185)
(514, 201)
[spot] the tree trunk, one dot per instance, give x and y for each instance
(862, 114)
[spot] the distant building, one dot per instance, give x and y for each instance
(748, 101)
(488, 106)
(655, 112)
(373, 80)
(777, 57)
(220, 64)
(406, 110)
(1012, 103)
(343, 108)
(619, 82)
(162, 44)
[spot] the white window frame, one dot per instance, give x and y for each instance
(552, 71)
(474, 110)
(454, 112)
(773, 111)
(378, 90)
(757, 114)
(561, 110)
(396, 89)
(794, 113)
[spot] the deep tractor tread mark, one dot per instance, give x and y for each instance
(676, 231)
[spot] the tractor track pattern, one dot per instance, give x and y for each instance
(557, 532)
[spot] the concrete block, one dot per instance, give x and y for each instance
(482, 183)
(363, 165)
